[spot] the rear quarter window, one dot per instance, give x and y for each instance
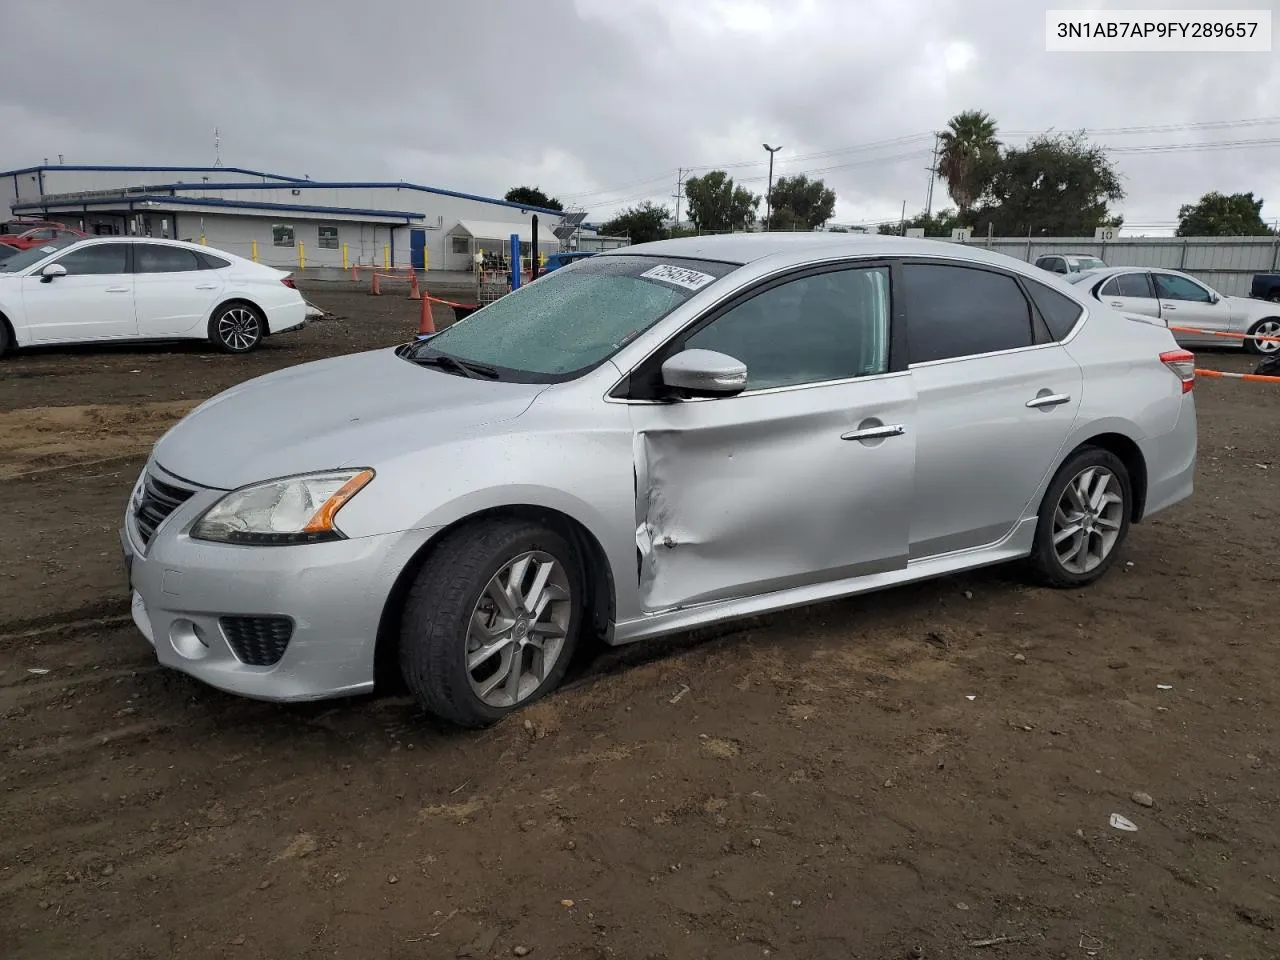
(1060, 312)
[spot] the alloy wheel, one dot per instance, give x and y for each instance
(518, 629)
(1267, 328)
(238, 328)
(1088, 519)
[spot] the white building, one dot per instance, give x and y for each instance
(280, 220)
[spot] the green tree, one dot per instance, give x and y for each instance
(939, 224)
(533, 197)
(1223, 215)
(642, 223)
(1057, 185)
(800, 203)
(716, 203)
(969, 153)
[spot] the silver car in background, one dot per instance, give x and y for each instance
(1183, 301)
(657, 438)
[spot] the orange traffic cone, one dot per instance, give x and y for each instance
(425, 322)
(375, 288)
(414, 293)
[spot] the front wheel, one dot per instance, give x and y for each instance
(1084, 519)
(492, 621)
(1270, 327)
(236, 328)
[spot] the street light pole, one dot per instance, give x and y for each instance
(768, 197)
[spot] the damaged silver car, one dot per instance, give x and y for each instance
(657, 438)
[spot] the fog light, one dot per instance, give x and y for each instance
(186, 638)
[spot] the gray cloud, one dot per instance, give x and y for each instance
(601, 101)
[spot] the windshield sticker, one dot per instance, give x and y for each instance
(679, 276)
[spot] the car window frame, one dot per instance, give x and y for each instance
(1208, 300)
(196, 258)
(75, 247)
(1041, 335)
(643, 383)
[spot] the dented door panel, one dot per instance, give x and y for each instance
(746, 495)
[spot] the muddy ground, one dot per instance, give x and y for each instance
(926, 773)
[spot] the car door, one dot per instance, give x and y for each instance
(1191, 305)
(996, 397)
(174, 294)
(802, 478)
(94, 301)
(1131, 293)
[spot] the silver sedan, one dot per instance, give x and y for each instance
(1198, 314)
(657, 438)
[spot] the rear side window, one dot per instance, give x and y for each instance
(1060, 312)
(152, 258)
(962, 312)
(1128, 285)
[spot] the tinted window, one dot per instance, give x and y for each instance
(830, 326)
(210, 262)
(575, 319)
(1053, 264)
(1128, 285)
(99, 259)
(1060, 312)
(960, 312)
(1173, 287)
(152, 258)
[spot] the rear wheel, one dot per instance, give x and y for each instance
(1270, 327)
(491, 622)
(6, 338)
(237, 327)
(1084, 519)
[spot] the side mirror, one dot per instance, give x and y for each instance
(51, 271)
(705, 373)
(1214, 298)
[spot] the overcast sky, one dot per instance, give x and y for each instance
(600, 101)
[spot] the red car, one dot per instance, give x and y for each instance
(35, 235)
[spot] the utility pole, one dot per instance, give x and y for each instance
(768, 197)
(679, 193)
(933, 170)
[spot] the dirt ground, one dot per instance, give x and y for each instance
(926, 773)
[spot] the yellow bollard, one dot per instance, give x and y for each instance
(426, 259)
(253, 250)
(302, 256)
(203, 242)
(386, 256)
(345, 262)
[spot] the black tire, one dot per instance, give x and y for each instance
(438, 611)
(6, 338)
(1273, 325)
(1046, 566)
(237, 327)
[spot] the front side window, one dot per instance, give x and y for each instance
(1136, 285)
(101, 258)
(962, 312)
(1170, 286)
(828, 326)
(151, 258)
(572, 320)
(328, 238)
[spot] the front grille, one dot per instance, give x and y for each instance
(257, 641)
(158, 500)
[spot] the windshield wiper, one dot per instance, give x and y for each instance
(476, 371)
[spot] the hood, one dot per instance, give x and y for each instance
(353, 411)
(1252, 306)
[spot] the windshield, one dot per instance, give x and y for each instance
(33, 255)
(574, 318)
(1085, 263)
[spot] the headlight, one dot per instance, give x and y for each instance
(290, 510)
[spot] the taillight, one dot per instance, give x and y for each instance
(1183, 365)
(288, 282)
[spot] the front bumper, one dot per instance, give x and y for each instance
(333, 594)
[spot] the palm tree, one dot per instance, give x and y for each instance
(969, 146)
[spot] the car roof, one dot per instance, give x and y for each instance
(157, 241)
(744, 248)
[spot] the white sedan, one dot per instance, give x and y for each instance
(1185, 304)
(140, 288)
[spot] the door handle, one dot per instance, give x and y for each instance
(1164, 306)
(1116, 303)
(116, 290)
(206, 286)
(875, 433)
(1049, 400)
